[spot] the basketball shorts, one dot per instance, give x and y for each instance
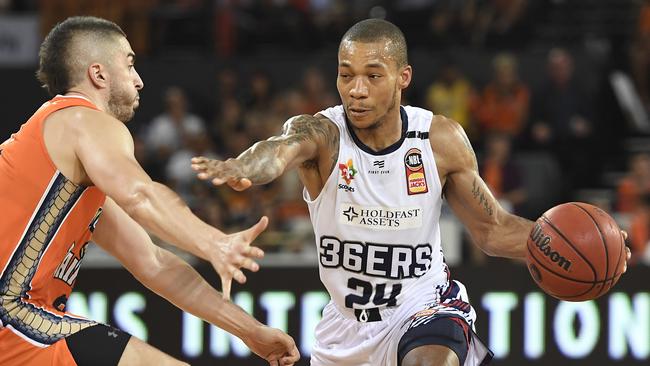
(384, 337)
(98, 345)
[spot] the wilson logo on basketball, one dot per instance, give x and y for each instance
(543, 243)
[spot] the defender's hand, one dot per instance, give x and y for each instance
(221, 172)
(234, 252)
(273, 345)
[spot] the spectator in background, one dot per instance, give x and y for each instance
(451, 95)
(640, 230)
(228, 121)
(178, 173)
(314, 91)
(503, 105)
(154, 167)
(561, 122)
(451, 22)
(261, 93)
(635, 184)
(167, 131)
(500, 22)
(560, 109)
(501, 173)
(227, 84)
(640, 54)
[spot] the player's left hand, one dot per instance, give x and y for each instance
(234, 252)
(273, 345)
(221, 172)
(627, 249)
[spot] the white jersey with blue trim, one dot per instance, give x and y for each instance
(376, 220)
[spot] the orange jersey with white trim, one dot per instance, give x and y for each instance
(47, 220)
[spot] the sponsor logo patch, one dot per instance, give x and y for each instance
(347, 173)
(378, 168)
(383, 218)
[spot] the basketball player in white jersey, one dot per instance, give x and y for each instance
(375, 174)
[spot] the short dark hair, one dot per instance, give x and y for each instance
(55, 71)
(375, 30)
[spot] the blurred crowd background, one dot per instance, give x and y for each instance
(554, 95)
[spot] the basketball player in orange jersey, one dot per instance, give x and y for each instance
(70, 174)
(375, 174)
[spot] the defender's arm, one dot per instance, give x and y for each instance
(175, 280)
(106, 150)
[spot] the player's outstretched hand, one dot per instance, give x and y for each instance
(627, 249)
(273, 345)
(221, 172)
(234, 252)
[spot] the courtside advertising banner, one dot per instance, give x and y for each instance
(521, 324)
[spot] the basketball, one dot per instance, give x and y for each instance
(575, 252)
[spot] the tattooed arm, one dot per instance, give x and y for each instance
(304, 140)
(494, 230)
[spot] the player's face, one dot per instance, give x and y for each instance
(125, 83)
(370, 83)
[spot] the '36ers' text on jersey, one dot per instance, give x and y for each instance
(376, 219)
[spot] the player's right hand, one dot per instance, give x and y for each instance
(234, 252)
(273, 345)
(221, 172)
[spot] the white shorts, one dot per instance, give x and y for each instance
(342, 340)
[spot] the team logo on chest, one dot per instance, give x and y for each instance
(347, 173)
(416, 179)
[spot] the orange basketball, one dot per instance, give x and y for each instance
(576, 252)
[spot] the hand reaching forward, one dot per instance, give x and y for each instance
(233, 252)
(221, 172)
(273, 345)
(627, 249)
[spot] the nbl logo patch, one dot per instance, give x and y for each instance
(416, 180)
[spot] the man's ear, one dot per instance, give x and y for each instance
(405, 76)
(98, 75)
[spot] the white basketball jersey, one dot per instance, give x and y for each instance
(376, 219)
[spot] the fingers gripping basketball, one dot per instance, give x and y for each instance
(575, 252)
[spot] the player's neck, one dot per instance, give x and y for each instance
(95, 99)
(383, 133)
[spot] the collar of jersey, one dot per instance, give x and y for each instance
(389, 149)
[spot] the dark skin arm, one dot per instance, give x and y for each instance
(307, 142)
(495, 231)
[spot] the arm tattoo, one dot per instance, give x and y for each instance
(480, 196)
(263, 161)
(332, 144)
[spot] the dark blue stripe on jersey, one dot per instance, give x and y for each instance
(10, 299)
(389, 149)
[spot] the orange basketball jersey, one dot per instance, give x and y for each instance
(47, 220)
